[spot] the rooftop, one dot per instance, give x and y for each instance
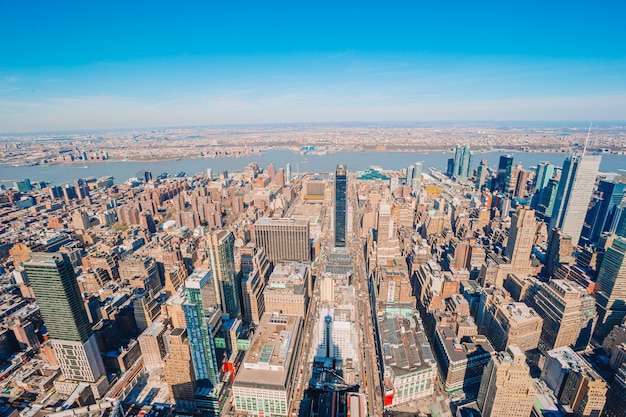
(519, 312)
(284, 221)
(267, 363)
(154, 329)
(405, 346)
(460, 349)
(198, 278)
(291, 277)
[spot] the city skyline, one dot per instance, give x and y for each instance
(291, 209)
(106, 68)
(232, 294)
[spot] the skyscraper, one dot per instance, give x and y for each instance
(416, 184)
(514, 324)
(450, 168)
(178, 370)
(284, 239)
(611, 297)
(618, 226)
(200, 340)
(221, 250)
(559, 251)
(409, 176)
(544, 173)
(610, 195)
(280, 177)
(340, 206)
(504, 172)
(521, 238)
(462, 162)
(256, 270)
(584, 392)
(578, 387)
(568, 313)
(481, 175)
(385, 226)
(52, 278)
(548, 197)
(616, 396)
(574, 193)
(506, 388)
(521, 184)
(288, 172)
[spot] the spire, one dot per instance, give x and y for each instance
(587, 140)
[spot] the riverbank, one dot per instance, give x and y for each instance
(356, 161)
(165, 158)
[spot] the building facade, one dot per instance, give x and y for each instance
(576, 186)
(506, 389)
(283, 239)
(611, 284)
(340, 205)
(52, 278)
(221, 251)
(265, 383)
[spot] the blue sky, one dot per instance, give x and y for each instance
(99, 65)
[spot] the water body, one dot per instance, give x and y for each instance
(121, 171)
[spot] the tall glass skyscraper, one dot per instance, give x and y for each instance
(200, 341)
(340, 205)
(222, 257)
(52, 278)
(504, 173)
(462, 162)
(611, 299)
(409, 175)
(544, 173)
(610, 195)
(574, 194)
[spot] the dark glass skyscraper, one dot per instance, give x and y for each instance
(340, 206)
(610, 195)
(504, 172)
(610, 299)
(544, 173)
(52, 278)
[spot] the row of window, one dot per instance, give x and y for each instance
(257, 404)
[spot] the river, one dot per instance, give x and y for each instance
(121, 171)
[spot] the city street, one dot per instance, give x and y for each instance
(371, 373)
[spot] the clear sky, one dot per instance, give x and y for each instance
(97, 65)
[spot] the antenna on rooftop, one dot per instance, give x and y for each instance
(587, 140)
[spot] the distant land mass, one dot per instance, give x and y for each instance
(307, 138)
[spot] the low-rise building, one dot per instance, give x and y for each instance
(408, 363)
(265, 383)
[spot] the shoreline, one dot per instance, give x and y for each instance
(305, 154)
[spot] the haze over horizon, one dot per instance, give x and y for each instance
(79, 66)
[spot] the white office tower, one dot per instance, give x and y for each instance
(574, 194)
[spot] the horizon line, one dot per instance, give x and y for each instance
(311, 123)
